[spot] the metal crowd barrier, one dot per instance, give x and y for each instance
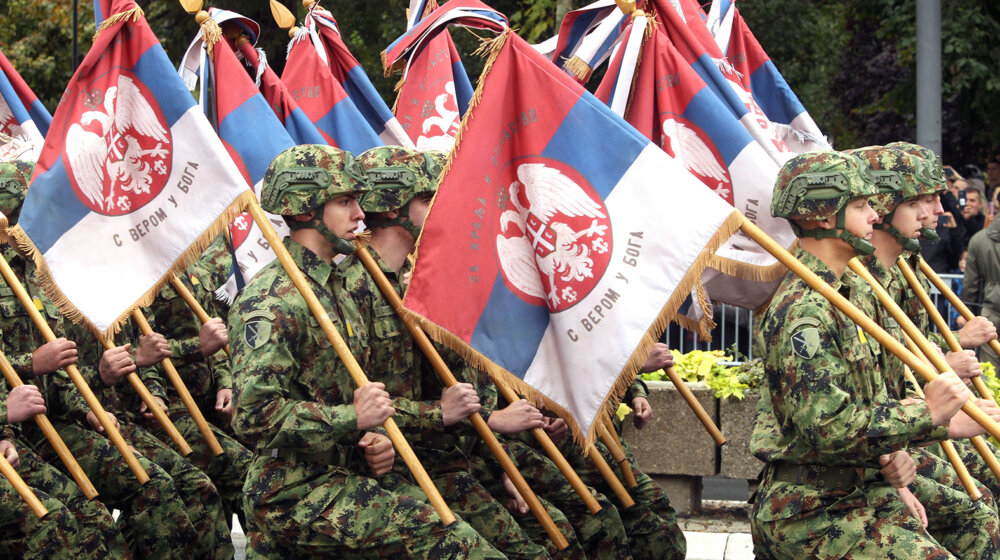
(734, 330)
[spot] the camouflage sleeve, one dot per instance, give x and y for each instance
(637, 389)
(184, 347)
(817, 396)
(22, 363)
(266, 415)
(222, 370)
(70, 400)
(155, 379)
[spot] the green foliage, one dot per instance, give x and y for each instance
(708, 367)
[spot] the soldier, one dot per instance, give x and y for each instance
(153, 519)
(965, 527)
(306, 489)
(821, 492)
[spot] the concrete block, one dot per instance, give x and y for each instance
(739, 547)
(674, 441)
(736, 422)
(684, 492)
(706, 546)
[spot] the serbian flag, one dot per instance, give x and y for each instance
(587, 37)
(434, 92)
(23, 118)
(324, 35)
(132, 181)
(770, 90)
(561, 241)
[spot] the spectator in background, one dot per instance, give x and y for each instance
(993, 177)
(971, 218)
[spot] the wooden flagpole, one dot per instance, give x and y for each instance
(80, 477)
(448, 378)
(885, 339)
(74, 374)
(610, 439)
(193, 303)
(181, 388)
(359, 377)
(26, 493)
(692, 401)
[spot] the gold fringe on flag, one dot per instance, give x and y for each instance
(191, 254)
(132, 14)
(577, 67)
(210, 32)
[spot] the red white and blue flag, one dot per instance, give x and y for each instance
(761, 77)
(587, 37)
(23, 118)
(561, 241)
(324, 34)
(132, 181)
(435, 90)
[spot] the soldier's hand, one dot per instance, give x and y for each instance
(93, 423)
(975, 333)
(10, 453)
(515, 501)
(379, 453)
(148, 414)
(152, 349)
(53, 355)
(963, 426)
(516, 417)
(659, 358)
(372, 405)
(224, 404)
(115, 364)
(961, 321)
(643, 412)
(898, 468)
(913, 505)
(945, 396)
(556, 428)
(23, 402)
(212, 336)
(964, 364)
(458, 402)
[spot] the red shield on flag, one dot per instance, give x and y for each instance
(552, 232)
(239, 229)
(117, 149)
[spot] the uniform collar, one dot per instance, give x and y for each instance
(309, 263)
(816, 265)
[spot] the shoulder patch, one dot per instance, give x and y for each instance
(805, 337)
(257, 328)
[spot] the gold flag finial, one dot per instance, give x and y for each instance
(210, 31)
(283, 17)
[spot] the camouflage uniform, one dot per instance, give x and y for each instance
(170, 316)
(293, 401)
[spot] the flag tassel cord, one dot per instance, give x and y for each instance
(947, 446)
(353, 368)
(181, 388)
(873, 329)
(448, 378)
(81, 384)
(952, 297)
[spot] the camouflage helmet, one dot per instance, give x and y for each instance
(898, 176)
(395, 176)
(818, 185)
(14, 178)
(304, 177)
(932, 173)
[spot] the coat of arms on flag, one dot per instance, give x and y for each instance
(23, 118)
(560, 241)
(132, 178)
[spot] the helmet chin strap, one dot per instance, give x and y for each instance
(911, 245)
(929, 234)
(862, 247)
(340, 245)
(402, 220)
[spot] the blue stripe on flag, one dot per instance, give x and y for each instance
(301, 129)
(57, 212)
(463, 87)
(345, 124)
(518, 324)
(156, 71)
(41, 116)
(709, 113)
(592, 123)
(13, 101)
(578, 29)
(773, 94)
(255, 132)
(374, 109)
(712, 76)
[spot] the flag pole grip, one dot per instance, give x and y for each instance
(193, 303)
(610, 440)
(887, 341)
(449, 380)
(181, 388)
(57, 443)
(353, 368)
(74, 374)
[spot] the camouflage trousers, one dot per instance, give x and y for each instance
(975, 463)
(470, 499)
(967, 528)
(227, 471)
(601, 534)
(202, 501)
(153, 518)
(345, 515)
(75, 527)
(651, 524)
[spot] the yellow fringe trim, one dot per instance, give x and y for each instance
(4, 238)
(577, 67)
(211, 33)
(132, 14)
(71, 312)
